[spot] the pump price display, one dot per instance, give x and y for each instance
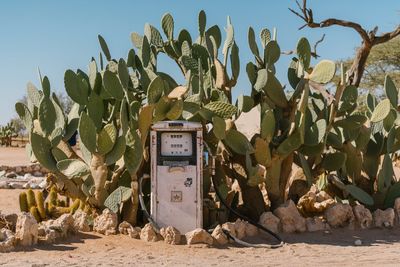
(176, 144)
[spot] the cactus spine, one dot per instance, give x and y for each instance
(40, 205)
(23, 202)
(31, 198)
(34, 211)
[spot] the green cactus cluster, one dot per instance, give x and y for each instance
(117, 100)
(7, 132)
(35, 203)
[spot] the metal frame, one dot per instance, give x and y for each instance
(177, 126)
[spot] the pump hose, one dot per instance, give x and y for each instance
(144, 209)
(226, 232)
(252, 222)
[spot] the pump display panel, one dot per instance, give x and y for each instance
(176, 144)
(176, 148)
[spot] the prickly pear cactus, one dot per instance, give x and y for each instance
(117, 100)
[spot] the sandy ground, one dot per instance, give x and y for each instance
(13, 156)
(380, 248)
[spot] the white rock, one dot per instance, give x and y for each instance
(126, 228)
(230, 227)
(384, 218)
(291, 220)
(7, 240)
(26, 231)
(251, 230)
(363, 216)
(18, 169)
(8, 221)
(171, 235)
(219, 235)
(38, 174)
(4, 185)
(16, 185)
(63, 225)
(270, 221)
(46, 234)
(148, 233)
(11, 175)
(358, 242)
(340, 215)
(199, 236)
(106, 223)
(81, 221)
(397, 210)
(316, 224)
(36, 167)
(240, 228)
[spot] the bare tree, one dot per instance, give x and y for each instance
(369, 38)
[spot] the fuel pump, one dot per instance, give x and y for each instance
(176, 174)
(176, 197)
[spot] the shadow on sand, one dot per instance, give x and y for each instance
(62, 244)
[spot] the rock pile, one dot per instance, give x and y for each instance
(23, 229)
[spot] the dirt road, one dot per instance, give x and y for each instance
(380, 248)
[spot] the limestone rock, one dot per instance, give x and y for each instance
(11, 175)
(340, 215)
(251, 230)
(291, 220)
(240, 228)
(106, 223)
(4, 185)
(230, 227)
(16, 185)
(46, 234)
(315, 224)
(384, 218)
(199, 236)
(397, 210)
(63, 225)
(38, 174)
(219, 235)
(81, 221)
(270, 221)
(7, 240)
(18, 169)
(171, 235)
(313, 203)
(8, 221)
(363, 216)
(148, 234)
(11, 220)
(26, 230)
(126, 228)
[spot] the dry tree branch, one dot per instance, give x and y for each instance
(369, 38)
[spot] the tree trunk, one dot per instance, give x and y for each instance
(279, 197)
(357, 68)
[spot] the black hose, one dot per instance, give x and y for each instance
(259, 226)
(256, 224)
(144, 209)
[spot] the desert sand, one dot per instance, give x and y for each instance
(379, 248)
(335, 248)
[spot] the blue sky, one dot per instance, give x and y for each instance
(58, 35)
